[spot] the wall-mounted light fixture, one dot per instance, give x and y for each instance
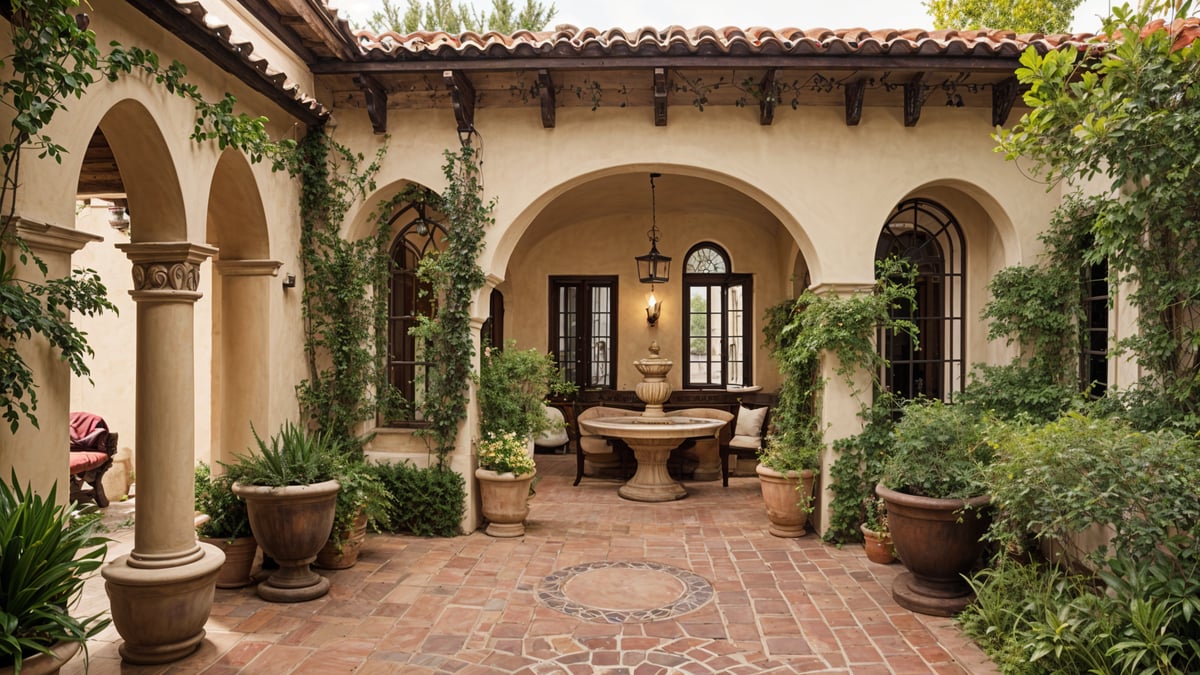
(289, 281)
(653, 306)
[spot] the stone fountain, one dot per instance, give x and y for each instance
(652, 435)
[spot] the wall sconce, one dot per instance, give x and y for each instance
(653, 307)
(289, 281)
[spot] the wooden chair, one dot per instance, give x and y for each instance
(590, 444)
(709, 449)
(742, 439)
(92, 448)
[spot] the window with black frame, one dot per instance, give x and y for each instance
(1093, 355)
(583, 329)
(407, 301)
(927, 235)
(717, 320)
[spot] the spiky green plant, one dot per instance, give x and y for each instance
(294, 456)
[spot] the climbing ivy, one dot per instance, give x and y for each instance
(452, 277)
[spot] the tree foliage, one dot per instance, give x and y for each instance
(445, 15)
(1128, 117)
(1022, 16)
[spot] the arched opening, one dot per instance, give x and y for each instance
(927, 235)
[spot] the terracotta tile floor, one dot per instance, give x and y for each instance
(470, 604)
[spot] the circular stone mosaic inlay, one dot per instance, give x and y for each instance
(624, 592)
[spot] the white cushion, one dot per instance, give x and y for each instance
(556, 435)
(746, 442)
(750, 421)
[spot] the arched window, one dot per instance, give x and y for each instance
(928, 236)
(407, 369)
(717, 319)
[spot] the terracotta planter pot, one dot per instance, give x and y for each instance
(330, 558)
(239, 560)
(46, 664)
(505, 500)
(878, 546)
(291, 525)
(783, 494)
(938, 542)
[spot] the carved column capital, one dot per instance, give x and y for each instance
(166, 270)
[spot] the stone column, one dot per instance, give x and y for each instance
(162, 592)
(242, 352)
(40, 455)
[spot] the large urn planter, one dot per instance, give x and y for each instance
(505, 500)
(333, 556)
(938, 541)
(291, 525)
(785, 496)
(239, 560)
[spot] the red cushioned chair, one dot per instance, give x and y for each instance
(92, 450)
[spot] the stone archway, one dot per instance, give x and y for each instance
(243, 282)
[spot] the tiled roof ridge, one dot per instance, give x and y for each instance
(567, 40)
(218, 30)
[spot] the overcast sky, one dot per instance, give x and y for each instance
(743, 13)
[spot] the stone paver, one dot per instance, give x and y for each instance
(470, 604)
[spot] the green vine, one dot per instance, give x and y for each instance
(55, 59)
(345, 287)
(452, 277)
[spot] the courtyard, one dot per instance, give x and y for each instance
(470, 604)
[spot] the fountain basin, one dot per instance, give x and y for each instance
(652, 439)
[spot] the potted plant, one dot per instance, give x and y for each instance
(786, 473)
(877, 538)
(45, 555)
(934, 488)
(362, 501)
(290, 487)
(225, 526)
(513, 386)
(505, 473)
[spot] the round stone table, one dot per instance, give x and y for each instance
(652, 440)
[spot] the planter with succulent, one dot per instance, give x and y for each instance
(45, 556)
(226, 526)
(935, 491)
(877, 538)
(505, 473)
(363, 501)
(290, 487)
(786, 474)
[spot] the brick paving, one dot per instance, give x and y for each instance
(469, 604)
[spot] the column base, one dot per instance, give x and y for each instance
(160, 613)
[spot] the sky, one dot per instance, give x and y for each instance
(627, 14)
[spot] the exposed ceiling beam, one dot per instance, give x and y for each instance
(855, 93)
(660, 97)
(462, 97)
(274, 22)
(986, 66)
(220, 53)
(1004, 95)
(546, 90)
(318, 21)
(766, 105)
(915, 92)
(376, 98)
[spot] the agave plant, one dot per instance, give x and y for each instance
(45, 555)
(292, 457)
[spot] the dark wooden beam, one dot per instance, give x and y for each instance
(546, 90)
(899, 64)
(376, 97)
(462, 97)
(270, 18)
(660, 97)
(766, 105)
(914, 99)
(856, 91)
(175, 22)
(1004, 95)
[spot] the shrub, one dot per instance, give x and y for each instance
(226, 511)
(429, 502)
(859, 468)
(939, 451)
(362, 489)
